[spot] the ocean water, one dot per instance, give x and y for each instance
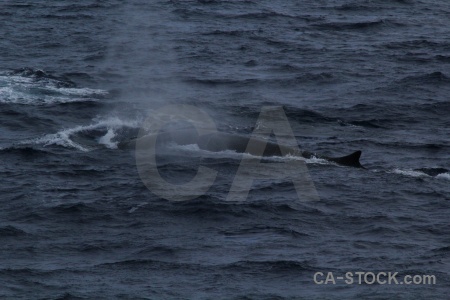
(77, 78)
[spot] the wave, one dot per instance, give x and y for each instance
(322, 77)
(264, 14)
(25, 151)
(353, 25)
(305, 78)
(228, 32)
(413, 145)
(370, 5)
(274, 266)
(264, 229)
(443, 58)
(28, 86)
(415, 44)
(250, 15)
(77, 16)
(261, 15)
(73, 208)
(11, 231)
(356, 7)
(430, 78)
(390, 115)
(222, 81)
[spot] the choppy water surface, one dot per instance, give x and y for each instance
(77, 78)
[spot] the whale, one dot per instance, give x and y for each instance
(220, 141)
(432, 171)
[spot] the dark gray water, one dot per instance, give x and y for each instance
(78, 77)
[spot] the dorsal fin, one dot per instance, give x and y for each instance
(351, 160)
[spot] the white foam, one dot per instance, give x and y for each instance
(63, 137)
(410, 173)
(133, 209)
(107, 139)
(78, 91)
(15, 79)
(445, 176)
(418, 174)
(193, 148)
(312, 160)
(7, 94)
(28, 91)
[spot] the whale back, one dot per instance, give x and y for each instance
(219, 141)
(223, 141)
